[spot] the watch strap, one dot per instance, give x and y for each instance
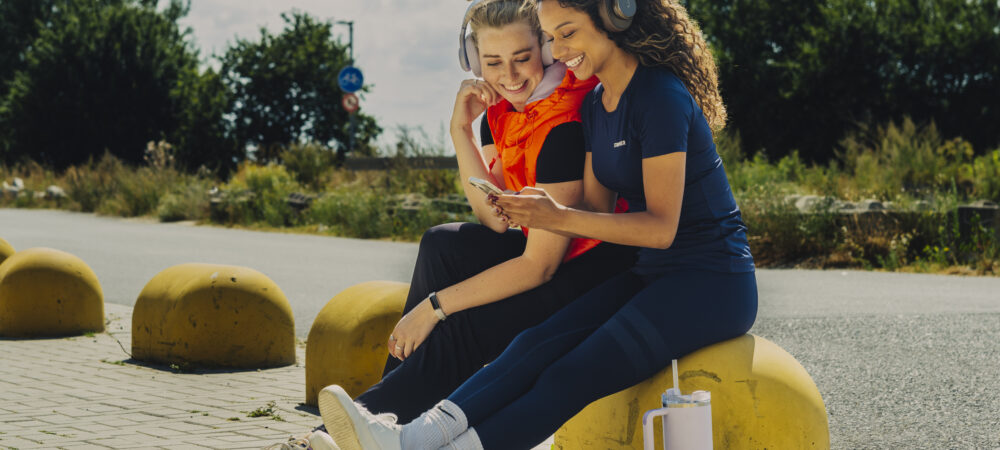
(437, 306)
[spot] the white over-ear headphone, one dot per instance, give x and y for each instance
(468, 54)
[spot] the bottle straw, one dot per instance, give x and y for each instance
(677, 384)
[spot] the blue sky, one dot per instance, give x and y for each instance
(407, 49)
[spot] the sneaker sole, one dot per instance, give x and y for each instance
(338, 421)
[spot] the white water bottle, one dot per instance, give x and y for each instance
(687, 420)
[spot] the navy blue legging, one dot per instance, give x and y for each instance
(616, 335)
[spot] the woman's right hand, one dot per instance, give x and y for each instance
(474, 96)
(495, 209)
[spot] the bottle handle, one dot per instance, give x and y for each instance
(648, 438)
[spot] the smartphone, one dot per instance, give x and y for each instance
(485, 186)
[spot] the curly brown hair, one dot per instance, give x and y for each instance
(662, 34)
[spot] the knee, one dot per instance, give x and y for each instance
(527, 340)
(438, 237)
(563, 378)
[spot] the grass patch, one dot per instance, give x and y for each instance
(266, 411)
(922, 175)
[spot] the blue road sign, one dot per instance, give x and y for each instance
(350, 79)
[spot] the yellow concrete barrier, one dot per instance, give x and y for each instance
(46, 292)
(762, 398)
(6, 250)
(347, 341)
(213, 316)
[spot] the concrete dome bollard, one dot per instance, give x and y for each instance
(762, 398)
(347, 341)
(213, 316)
(6, 250)
(46, 292)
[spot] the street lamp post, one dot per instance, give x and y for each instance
(350, 39)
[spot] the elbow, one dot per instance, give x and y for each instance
(663, 241)
(542, 271)
(548, 272)
(495, 225)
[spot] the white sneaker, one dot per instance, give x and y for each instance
(319, 440)
(316, 440)
(352, 426)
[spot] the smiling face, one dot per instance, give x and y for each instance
(510, 57)
(576, 40)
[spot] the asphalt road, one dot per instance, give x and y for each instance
(902, 360)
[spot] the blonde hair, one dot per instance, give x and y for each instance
(500, 13)
(662, 34)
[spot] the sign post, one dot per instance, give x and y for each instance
(350, 80)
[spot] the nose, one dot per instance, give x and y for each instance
(558, 50)
(511, 72)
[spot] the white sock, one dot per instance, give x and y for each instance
(435, 427)
(465, 441)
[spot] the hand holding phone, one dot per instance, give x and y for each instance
(485, 186)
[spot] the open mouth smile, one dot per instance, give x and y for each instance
(515, 89)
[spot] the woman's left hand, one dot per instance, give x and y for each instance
(532, 208)
(412, 330)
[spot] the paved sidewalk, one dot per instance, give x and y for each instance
(85, 392)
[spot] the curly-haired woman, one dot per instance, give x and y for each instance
(649, 128)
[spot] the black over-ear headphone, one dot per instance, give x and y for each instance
(617, 14)
(468, 54)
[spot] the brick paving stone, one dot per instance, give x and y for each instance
(73, 387)
(84, 447)
(15, 442)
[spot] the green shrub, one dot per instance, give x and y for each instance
(187, 201)
(372, 214)
(138, 192)
(906, 159)
(91, 184)
(308, 162)
(259, 194)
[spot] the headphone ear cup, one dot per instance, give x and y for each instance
(472, 57)
(613, 21)
(547, 58)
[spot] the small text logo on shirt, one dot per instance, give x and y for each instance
(620, 143)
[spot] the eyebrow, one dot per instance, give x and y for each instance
(526, 49)
(564, 23)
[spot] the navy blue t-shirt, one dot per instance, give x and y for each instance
(656, 115)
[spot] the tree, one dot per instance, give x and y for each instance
(111, 75)
(285, 89)
(19, 26)
(800, 74)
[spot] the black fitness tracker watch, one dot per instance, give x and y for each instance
(437, 306)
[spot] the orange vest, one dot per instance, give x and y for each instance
(519, 135)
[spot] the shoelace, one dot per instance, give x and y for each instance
(388, 420)
(293, 443)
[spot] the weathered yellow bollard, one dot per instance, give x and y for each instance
(762, 398)
(213, 316)
(347, 341)
(6, 250)
(46, 292)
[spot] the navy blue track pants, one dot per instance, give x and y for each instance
(617, 335)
